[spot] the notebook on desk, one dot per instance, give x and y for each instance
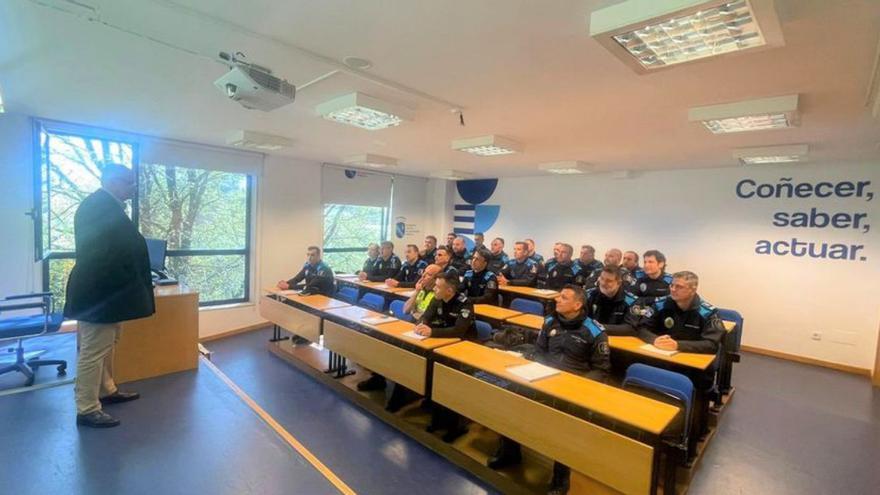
(532, 371)
(657, 350)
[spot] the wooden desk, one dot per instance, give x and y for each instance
(376, 287)
(166, 342)
(530, 292)
(612, 458)
(491, 312)
(633, 345)
(381, 348)
(526, 320)
(298, 314)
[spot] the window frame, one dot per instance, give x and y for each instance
(44, 257)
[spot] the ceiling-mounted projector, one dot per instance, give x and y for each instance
(254, 87)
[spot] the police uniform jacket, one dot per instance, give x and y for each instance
(384, 269)
(451, 319)
(579, 345)
(315, 279)
(557, 275)
(410, 273)
(646, 286)
(461, 262)
(697, 328)
(523, 274)
(497, 262)
(481, 287)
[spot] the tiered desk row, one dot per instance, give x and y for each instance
(612, 437)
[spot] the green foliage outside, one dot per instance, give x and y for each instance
(351, 226)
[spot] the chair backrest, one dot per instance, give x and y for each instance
(484, 330)
(734, 316)
(527, 306)
(668, 385)
(347, 294)
(396, 308)
(45, 320)
(372, 301)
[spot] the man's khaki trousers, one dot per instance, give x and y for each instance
(94, 364)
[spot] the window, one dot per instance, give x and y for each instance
(204, 215)
(348, 230)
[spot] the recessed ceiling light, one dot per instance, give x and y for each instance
(364, 111)
(771, 154)
(452, 175)
(357, 63)
(655, 34)
(372, 161)
(257, 140)
(487, 145)
(752, 115)
(566, 167)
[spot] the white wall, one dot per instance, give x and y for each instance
(698, 221)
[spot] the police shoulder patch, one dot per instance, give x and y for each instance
(469, 274)
(594, 327)
(667, 278)
(548, 320)
(575, 268)
(591, 291)
(629, 298)
(462, 296)
(659, 302)
(706, 309)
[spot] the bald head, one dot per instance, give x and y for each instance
(119, 181)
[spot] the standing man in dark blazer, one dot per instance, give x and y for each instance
(110, 283)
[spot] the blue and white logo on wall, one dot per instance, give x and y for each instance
(472, 215)
(400, 227)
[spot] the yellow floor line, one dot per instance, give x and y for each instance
(293, 442)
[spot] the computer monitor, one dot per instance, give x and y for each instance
(156, 249)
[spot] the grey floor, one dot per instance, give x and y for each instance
(791, 429)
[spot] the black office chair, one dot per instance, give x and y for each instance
(22, 327)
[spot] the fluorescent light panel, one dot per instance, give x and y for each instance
(777, 112)
(372, 161)
(257, 140)
(771, 154)
(487, 145)
(655, 34)
(452, 175)
(571, 167)
(364, 111)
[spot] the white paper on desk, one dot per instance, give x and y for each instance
(512, 353)
(657, 350)
(347, 275)
(380, 286)
(375, 320)
(413, 335)
(545, 292)
(532, 371)
(288, 292)
(408, 293)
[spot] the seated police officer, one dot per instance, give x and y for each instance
(461, 259)
(416, 306)
(411, 270)
(630, 263)
(561, 271)
(683, 321)
(521, 270)
(587, 260)
(537, 258)
(450, 238)
(443, 258)
(314, 278)
(499, 257)
(479, 241)
(609, 303)
(612, 258)
(480, 284)
(654, 281)
(430, 249)
(387, 265)
(449, 315)
(370, 263)
(569, 341)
